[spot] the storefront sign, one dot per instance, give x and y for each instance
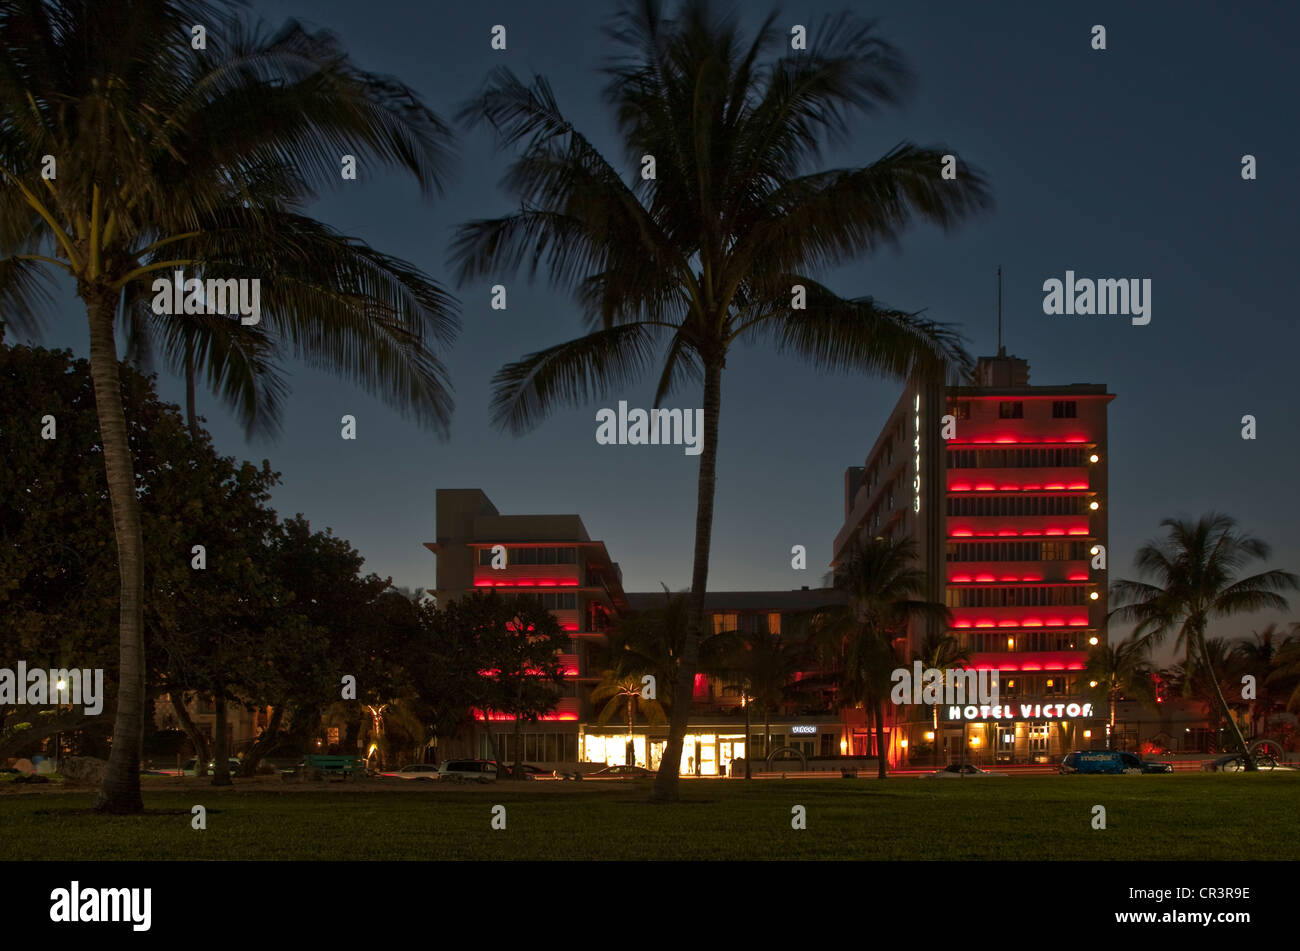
(803, 730)
(1022, 711)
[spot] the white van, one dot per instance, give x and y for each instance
(467, 771)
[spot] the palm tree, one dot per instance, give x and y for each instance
(720, 242)
(1257, 657)
(1119, 669)
(621, 690)
(650, 642)
(1285, 676)
(1207, 676)
(940, 650)
(170, 157)
(861, 641)
(1194, 572)
(765, 666)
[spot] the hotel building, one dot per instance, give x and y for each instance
(1009, 516)
(804, 725)
(553, 557)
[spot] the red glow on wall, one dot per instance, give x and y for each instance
(530, 583)
(1013, 533)
(1018, 441)
(1076, 576)
(701, 687)
(1030, 666)
(478, 715)
(967, 622)
(532, 672)
(959, 578)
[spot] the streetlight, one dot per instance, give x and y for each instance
(749, 740)
(58, 737)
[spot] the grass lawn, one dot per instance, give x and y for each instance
(1187, 816)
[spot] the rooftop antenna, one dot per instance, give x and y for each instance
(1001, 351)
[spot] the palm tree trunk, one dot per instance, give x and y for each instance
(201, 752)
(120, 792)
(191, 419)
(666, 781)
(220, 748)
(629, 755)
(879, 714)
(934, 722)
(1223, 704)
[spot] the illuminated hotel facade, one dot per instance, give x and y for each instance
(1009, 515)
(550, 556)
(554, 558)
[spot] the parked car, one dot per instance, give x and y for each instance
(962, 771)
(468, 771)
(1114, 762)
(425, 771)
(621, 772)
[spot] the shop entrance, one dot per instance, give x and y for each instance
(730, 751)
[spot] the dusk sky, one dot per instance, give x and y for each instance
(1122, 163)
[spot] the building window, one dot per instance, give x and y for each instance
(1038, 737)
(1011, 410)
(724, 622)
(548, 555)
(556, 601)
(1064, 409)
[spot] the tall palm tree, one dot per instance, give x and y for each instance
(1119, 669)
(1194, 572)
(940, 650)
(862, 640)
(722, 244)
(172, 158)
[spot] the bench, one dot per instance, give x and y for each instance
(335, 765)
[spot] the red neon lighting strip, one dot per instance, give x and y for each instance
(478, 715)
(1016, 441)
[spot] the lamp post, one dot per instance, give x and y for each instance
(58, 737)
(748, 738)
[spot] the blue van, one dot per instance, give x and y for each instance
(1110, 761)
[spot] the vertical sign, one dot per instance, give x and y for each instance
(916, 443)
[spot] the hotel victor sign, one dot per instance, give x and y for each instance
(1021, 711)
